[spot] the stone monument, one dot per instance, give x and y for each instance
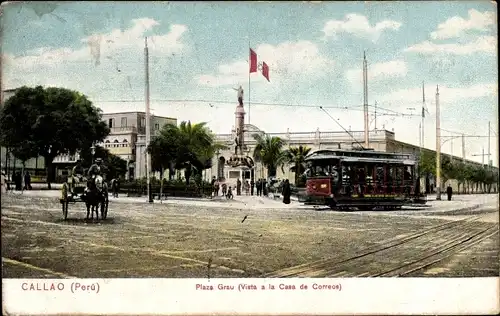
(239, 159)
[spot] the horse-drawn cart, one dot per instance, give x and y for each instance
(93, 196)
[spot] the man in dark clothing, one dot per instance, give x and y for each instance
(115, 187)
(449, 192)
(18, 181)
(27, 181)
(264, 187)
(251, 186)
(286, 192)
(258, 187)
(238, 187)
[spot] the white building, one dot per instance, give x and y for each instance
(127, 138)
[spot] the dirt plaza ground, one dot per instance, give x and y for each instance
(203, 239)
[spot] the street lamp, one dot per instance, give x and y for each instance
(92, 151)
(48, 171)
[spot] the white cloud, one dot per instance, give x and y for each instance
(456, 26)
(378, 71)
(359, 26)
(108, 45)
(107, 63)
(285, 60)
(482, 44)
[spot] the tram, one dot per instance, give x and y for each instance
(365, 179)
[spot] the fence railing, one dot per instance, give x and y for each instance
(314, 136)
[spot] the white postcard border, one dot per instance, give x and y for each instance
(187, 296)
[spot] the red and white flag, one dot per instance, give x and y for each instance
(255, 65)
(253, 61)
(265, 71)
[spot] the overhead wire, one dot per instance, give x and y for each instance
(350, 107)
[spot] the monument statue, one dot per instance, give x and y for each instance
(240, 95)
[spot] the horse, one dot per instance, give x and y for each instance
(96, 195)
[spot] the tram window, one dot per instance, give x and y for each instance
(380, 174)
(390, 174)
(399, 173)
(369, 173)
(361, 174)
(408, 175)
(308, 172)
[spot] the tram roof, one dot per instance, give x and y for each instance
(361, 155)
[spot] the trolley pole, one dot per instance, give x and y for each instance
(463, 147)
(489, 143)
(148, 123)
(365, 99)
(438, 147)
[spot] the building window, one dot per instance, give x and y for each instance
(116, 141)
(107, 140)
(157, 126)
(111, 123)
(125, 141)
(124, 121)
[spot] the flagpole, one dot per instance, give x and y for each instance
(249, 61)
(423, 114)
(423, 184)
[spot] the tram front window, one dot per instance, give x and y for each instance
(323, 169)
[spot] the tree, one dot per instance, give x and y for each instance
(427, 164)
(54, 120)
(296, 156)
(114, 166)
(269, 151)
(188, 146)
(459, 174)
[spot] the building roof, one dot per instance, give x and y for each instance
(10, 90)
(138, 112)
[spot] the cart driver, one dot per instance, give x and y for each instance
(95, 169)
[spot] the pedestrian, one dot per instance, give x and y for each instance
(216, 188)
(259, 188)
(229, 194)
(18, 181)
(3, 181)
(252, 183)
(238, 187)
(449, 192)
(27, 181)
(247, 187)
(264, 187)
(224, 189)
(115, 187)
(286, 192)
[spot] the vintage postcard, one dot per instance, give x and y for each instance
(246, 158)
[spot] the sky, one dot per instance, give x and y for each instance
(199, 51)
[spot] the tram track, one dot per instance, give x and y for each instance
(335, 268)
(436, 256)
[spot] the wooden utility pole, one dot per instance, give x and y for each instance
(438, 147)
(148, 122)
(463, 147)
(489, 144)
(365, 99)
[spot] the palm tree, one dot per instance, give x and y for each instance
(296, 156)
(269, 151)
(194, 146)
